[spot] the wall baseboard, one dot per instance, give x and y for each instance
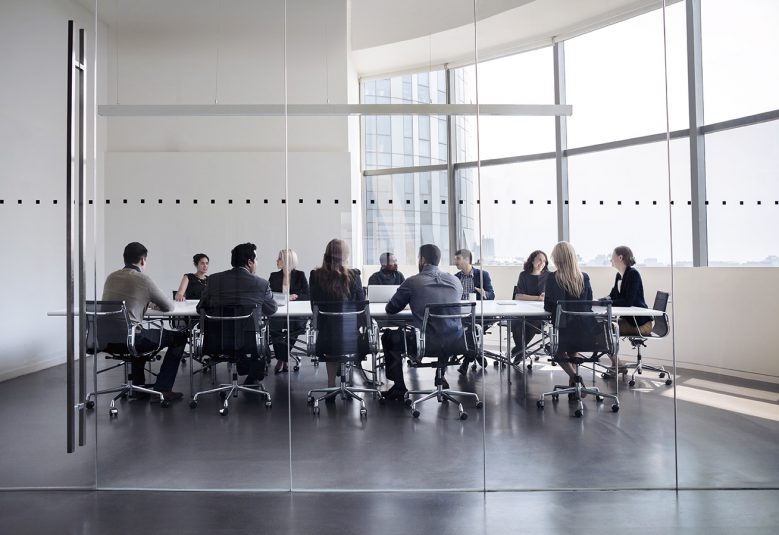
(30, 368)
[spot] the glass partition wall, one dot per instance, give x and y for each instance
(272, 123)
(185, 177)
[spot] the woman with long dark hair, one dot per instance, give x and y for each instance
(334, 281)
(193, 284)
(530, 287)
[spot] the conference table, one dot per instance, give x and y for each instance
(491, 311)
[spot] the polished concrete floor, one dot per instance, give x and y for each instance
(471, 513)
(726, 438)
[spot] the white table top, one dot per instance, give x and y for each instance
(498, 309)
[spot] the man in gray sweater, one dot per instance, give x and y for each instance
(131, 285)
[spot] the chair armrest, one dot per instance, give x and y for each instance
(310, 339)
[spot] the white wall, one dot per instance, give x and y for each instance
(722, 319)
(237, 158)
(33, 37)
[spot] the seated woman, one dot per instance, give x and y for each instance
(568, 283)
(293, 283)
(530, 287)
(193, 284)
(333, 281)
(628, 291)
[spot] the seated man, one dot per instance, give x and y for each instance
(240, 286)
(137, 290)
(429, 286)
(474, 280)
(388, 275)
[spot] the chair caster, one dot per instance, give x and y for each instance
(268, 404)
(495, 364)
(193, 404)
(473, 367)
(310, 400)
(415, 413)
(662, 375)
(578, 413)
(540, 404)
(113, 412)
(315, 410)
(668, 382)
(363, 412)
(90, 404)
(615, 408)
(631, 383)
(599, 399)
(164, 403)
(407, 402)
(555, 397)
(479, 404)
(296, 368)
(223, 411)
(463, 416)
(530, 367)
(382, 401)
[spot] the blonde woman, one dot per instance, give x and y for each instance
(292, 282)
(567, 283)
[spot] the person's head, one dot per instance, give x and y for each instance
(388, 262)
(201, 262)
(135, 255)
(244, 255)
(568, 275)
(287, 259)
(429, 255)
(536, 262)
(336, 254)
(622, 258)
(463, 258)
(334, 277)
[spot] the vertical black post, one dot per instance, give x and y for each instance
(69, 290)
(82, 283)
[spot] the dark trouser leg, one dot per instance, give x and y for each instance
(392, 344)
(138, 372)
(175, 342)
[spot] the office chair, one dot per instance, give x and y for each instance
(110, 331)
(291, 338)
(578, 328)
(447, 329)
(660, 329)
(342, 332)
(231, 334)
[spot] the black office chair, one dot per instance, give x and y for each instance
(110, 331)
(448, 329)
(580, 328)
(660, 329)
(342, 332)
(535, 349)
(232, 334)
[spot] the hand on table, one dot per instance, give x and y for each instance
(180, 296)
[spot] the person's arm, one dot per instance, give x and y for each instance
(488, 292)
(550, 294)
(400, 300)
(631, 290)
(269, 305)
(587, 294)
(181, 293)
(301, 287)
(358, 292)
(156, 296)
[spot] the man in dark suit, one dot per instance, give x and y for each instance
(240, 286)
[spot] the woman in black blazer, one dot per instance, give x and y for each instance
(628, 291)
(292, 282)
(333, 281)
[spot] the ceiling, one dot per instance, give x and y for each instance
(397, 35)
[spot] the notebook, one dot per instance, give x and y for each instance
(378, 293)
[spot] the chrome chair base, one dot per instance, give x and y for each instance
(226, 391)
(441, 394)
(343, 390)
(579, 391)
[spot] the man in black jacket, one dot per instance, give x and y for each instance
(240, 286)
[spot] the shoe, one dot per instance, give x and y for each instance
(277, 369)
(444, 384)
(139, 395)
(463, 369)
(395, 392)
(169, 395)
(284, 368)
